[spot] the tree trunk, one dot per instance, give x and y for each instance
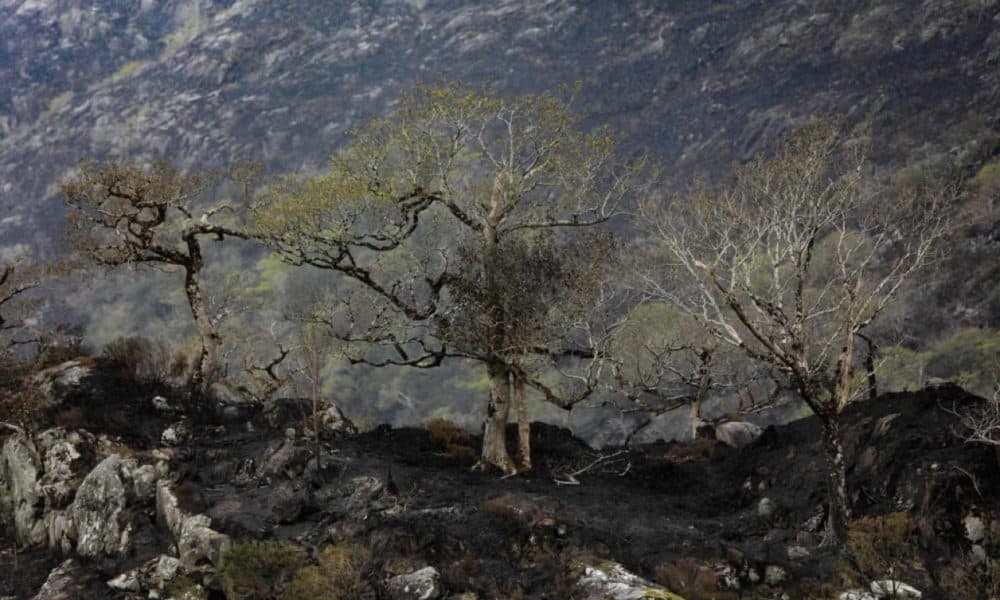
(497, 413)
(704, 385)
(208, 360)
(870, 367)
(833, 453)
(523, 426)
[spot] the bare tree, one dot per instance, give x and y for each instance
(129, 214)
(792, 262)
(432, 210)
(18, 278)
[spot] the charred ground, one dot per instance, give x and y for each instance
(699, 518)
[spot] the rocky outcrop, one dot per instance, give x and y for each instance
(102, 513)
(55, 382)
(611, 581)
(423, 584)
(52, 494)
(198, 545)
(737, 433)
(39, 477)
(65, 582)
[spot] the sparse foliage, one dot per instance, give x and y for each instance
(459, 215)
(795, 259)
(125, 213)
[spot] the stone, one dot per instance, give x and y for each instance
(176, 434)
(126, 582)
(199, 545)
(167, 568)
(979, 555)
(797, 553)
(855, 595)
(423, 584)
(975, 528)
(611, 581)
(100, 511)
(775, 575)
(168, 513)
(737, 433)
(63, 583)
(144, 482)
(890, 588)
(53, 383)
(332, 420)
(22, 501)
(163, 405)
(766, 508)
(284, 458)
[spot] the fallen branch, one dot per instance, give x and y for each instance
(571, 478)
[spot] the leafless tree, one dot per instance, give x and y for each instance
(792, 262)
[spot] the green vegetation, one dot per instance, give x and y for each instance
(255, 570)
(338, 573)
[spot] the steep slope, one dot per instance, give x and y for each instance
(701, 83)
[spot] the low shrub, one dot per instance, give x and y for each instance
(884, 544)
(255, 570)
(338, 573)
(141, 360)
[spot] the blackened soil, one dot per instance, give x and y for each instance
(413, 500)
(652, 506)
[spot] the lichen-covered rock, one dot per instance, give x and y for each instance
(53, 383)
(975, 529)
(168, 513)
(101, 513)
(332, 420)
(69, 455)
(39, 476)
(611, 581)
(199, 545)
(63, 583)
(167, 568)
(423, 584)
(890, 588)
(737, 433)
(21, 500)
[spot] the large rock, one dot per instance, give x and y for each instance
(611, 581)
(65, 582)
(38, 480)
(21, 500)
(101, 512)
(424, 584)
(737, 433)
(55, 382)
(889, 588)
(197, 543)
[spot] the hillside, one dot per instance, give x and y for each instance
(127, 476)
(701, 84)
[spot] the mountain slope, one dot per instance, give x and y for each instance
(701, 83)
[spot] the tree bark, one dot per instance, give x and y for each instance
(523, 426)
(870, 367)
(839, 510)
(704, 385)
(497, 413)
(208, 360)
